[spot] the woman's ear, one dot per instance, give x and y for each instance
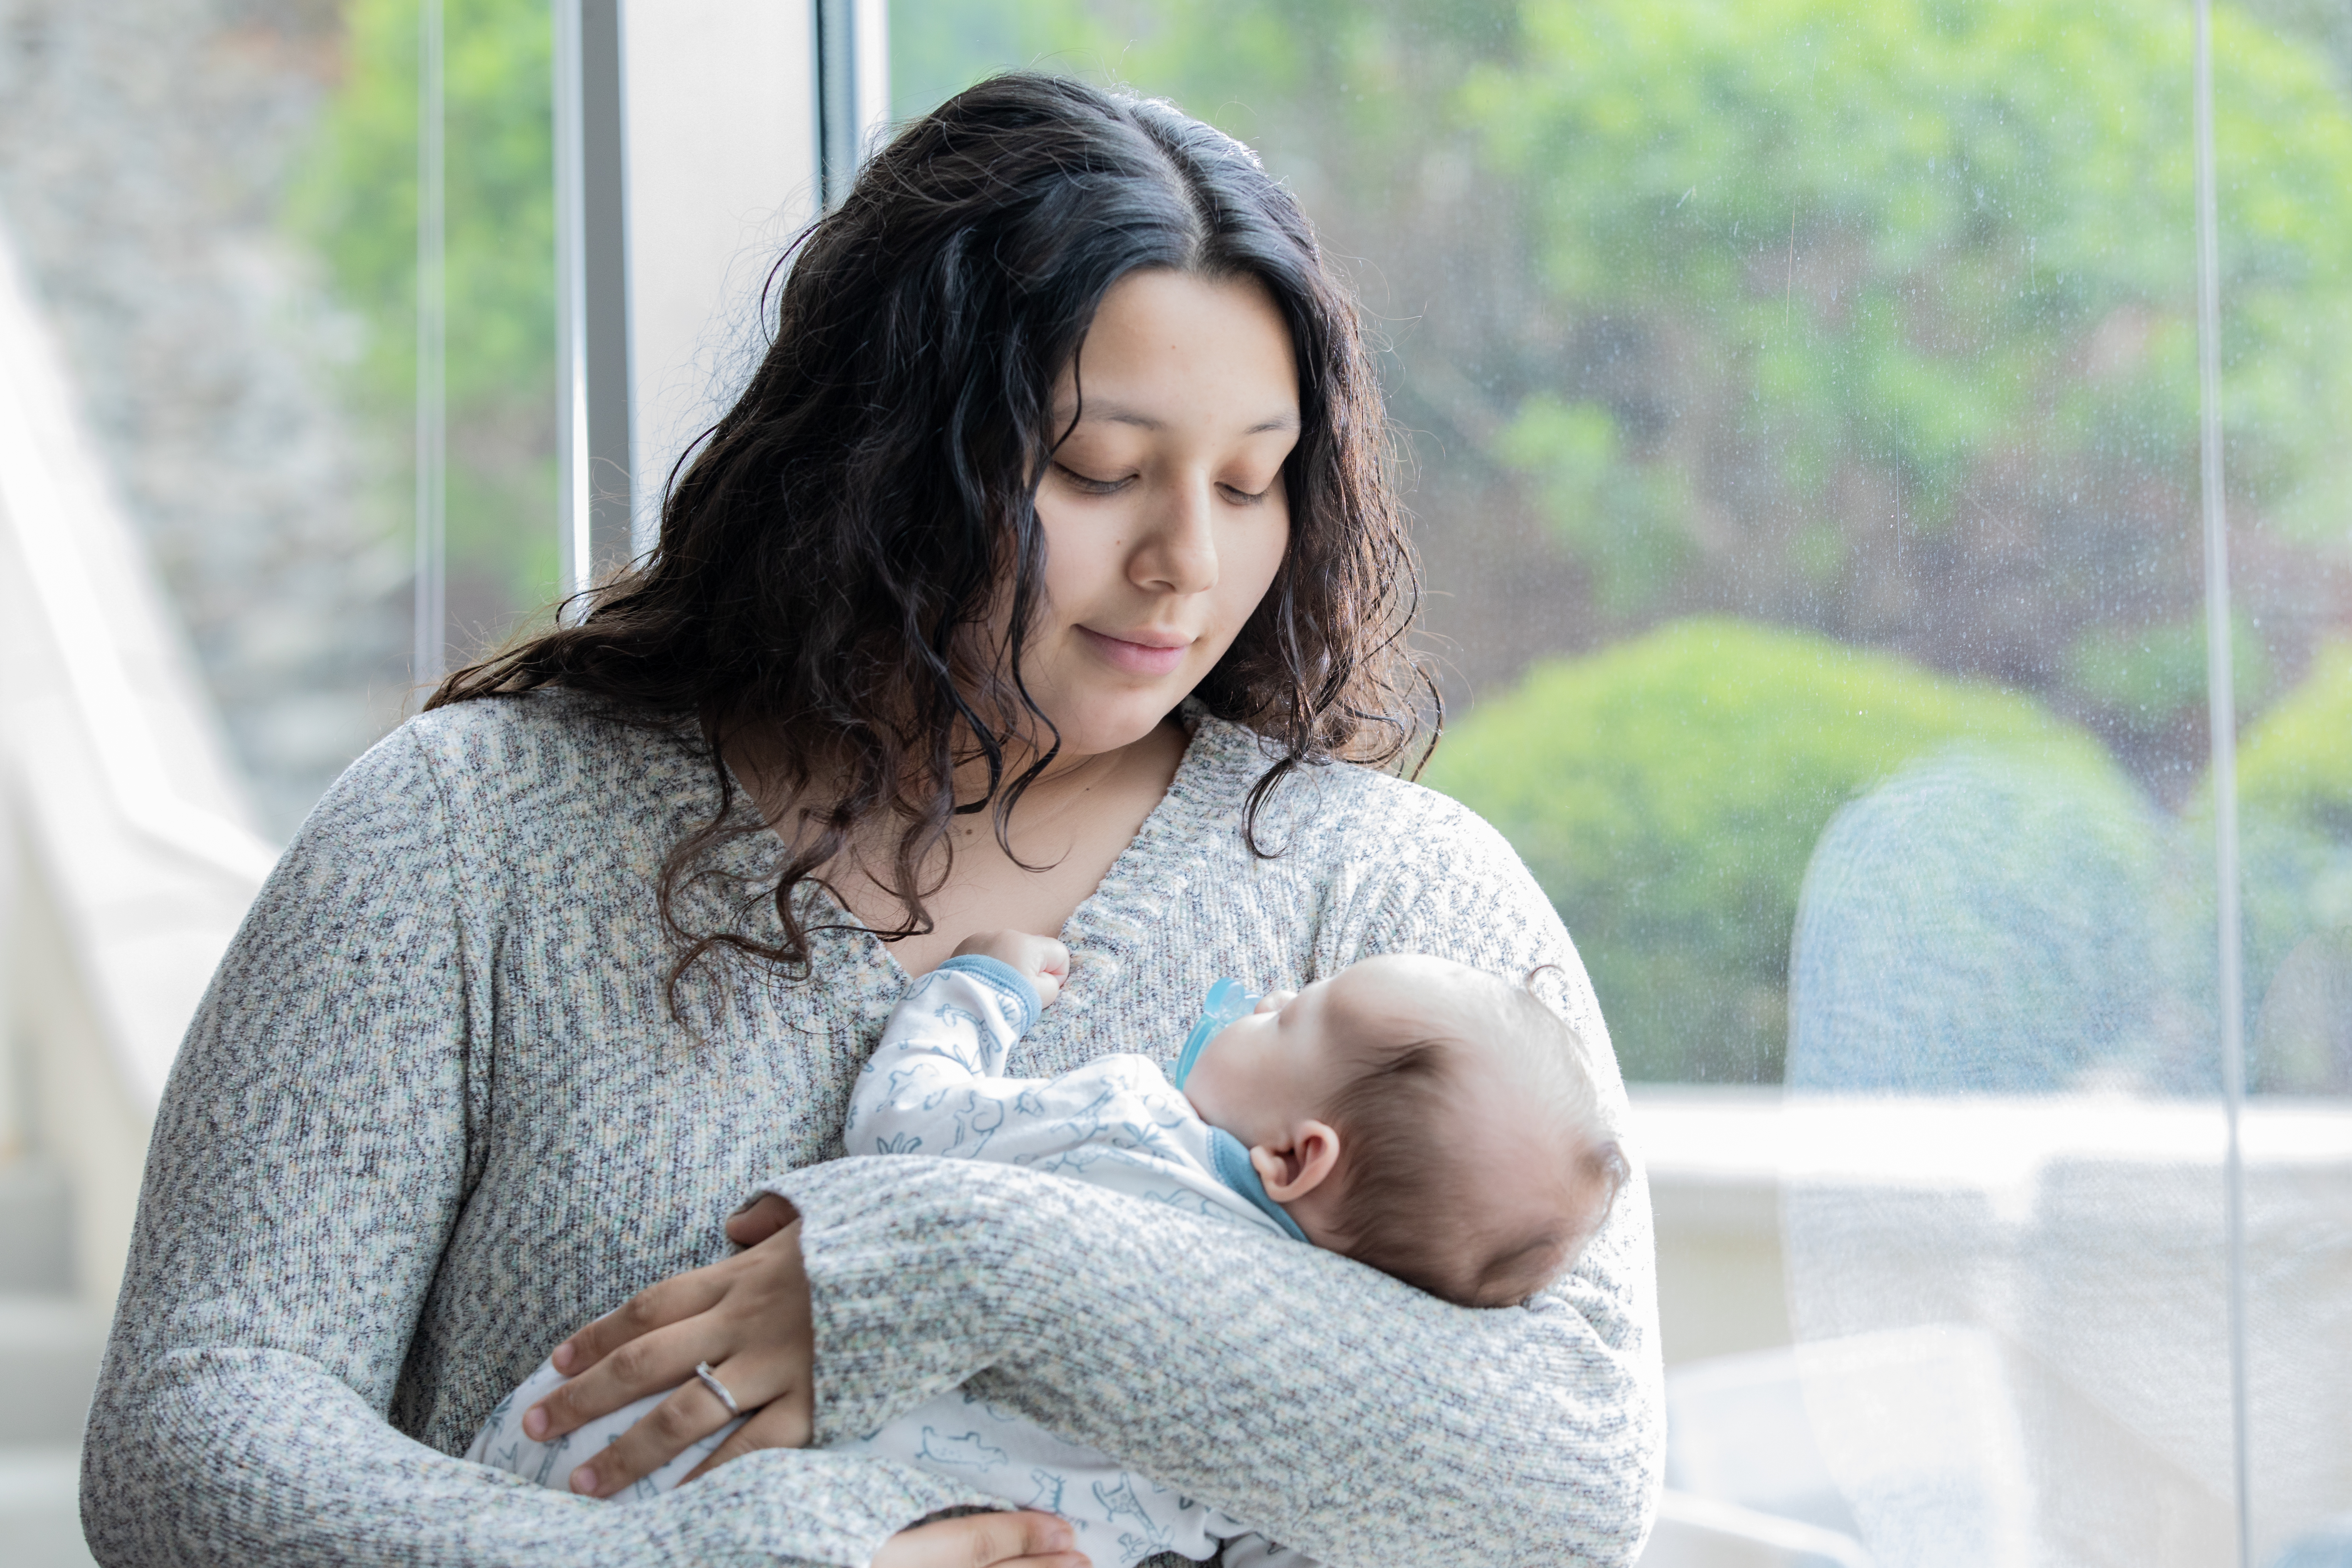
(1297, 1166)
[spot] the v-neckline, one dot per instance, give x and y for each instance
(1156, 858)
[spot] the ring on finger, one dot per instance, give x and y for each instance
(719, 1390)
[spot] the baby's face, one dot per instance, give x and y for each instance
(1284, 1063)
(1520, 1207)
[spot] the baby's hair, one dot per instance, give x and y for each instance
(1405, 1187)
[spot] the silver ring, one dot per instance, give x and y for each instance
(710, 1381)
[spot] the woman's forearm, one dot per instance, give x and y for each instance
(1336, 1410)
(261, 1457)
(310, 1161)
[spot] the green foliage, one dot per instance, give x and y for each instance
(1629, 519)
(2152, 679)
(1934, 235)
(1667, 793)
(2295, 764)
(2295, 796)
(938, 47)
(356, 203)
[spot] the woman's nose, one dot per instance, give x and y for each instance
(1179, 553)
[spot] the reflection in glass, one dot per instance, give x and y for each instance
(145, 154)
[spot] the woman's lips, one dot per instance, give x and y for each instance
(1157, 656)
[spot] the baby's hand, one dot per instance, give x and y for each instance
(1045, 963)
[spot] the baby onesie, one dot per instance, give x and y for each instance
(936, 1086)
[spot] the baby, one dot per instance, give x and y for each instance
(1422, 1117)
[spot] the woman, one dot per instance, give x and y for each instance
(1063, 424)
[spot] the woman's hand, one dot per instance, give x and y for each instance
(748, 1317)
(983, 1541)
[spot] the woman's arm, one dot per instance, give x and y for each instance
(1341, 1413)
(309, 1159)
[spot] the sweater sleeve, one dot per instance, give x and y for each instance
(1339, 1411)
(309, 1162)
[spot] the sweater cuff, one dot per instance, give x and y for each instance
(908, 1260)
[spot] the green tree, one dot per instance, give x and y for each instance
(1667, 794)
(356, 203)
(1874, 316)
(1936, 261)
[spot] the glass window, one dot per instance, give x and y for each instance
(217, 206)
(1804, 404)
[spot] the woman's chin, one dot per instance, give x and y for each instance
(1113, 722)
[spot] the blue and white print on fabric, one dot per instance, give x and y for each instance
(503, 1443)
(935, 1087)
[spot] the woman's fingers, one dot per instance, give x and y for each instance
(784, 1422)
(664, 1358)
(984, 1541)
(677, 1423)
(749, 1313)
(655, 1306)
(754, 1331)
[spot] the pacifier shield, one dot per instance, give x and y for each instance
(1227, 1000)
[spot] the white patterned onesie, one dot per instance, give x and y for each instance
(936, 1086)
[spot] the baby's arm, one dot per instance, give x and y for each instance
(935, 1084)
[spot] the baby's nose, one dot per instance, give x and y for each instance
(1272, 1000)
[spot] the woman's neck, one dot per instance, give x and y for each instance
(1064, 832)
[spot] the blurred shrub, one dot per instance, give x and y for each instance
(2295, 764)
(1667, 793)
(2150, 680)
(2295, 796)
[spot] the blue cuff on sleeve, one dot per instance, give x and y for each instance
(995, 971)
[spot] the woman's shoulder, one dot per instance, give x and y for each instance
(547, 742)
(1387, 865)
(509, 764)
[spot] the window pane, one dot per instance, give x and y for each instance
(2286, 268)
(215, 204)
(1803, 409)
(355, 204)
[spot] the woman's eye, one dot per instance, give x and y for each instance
(1241, 496)
(1088, 485)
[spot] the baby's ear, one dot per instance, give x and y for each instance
(1298, 1165)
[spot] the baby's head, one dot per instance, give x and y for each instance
(1422, 1116)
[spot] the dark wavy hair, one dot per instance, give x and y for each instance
(831, 551)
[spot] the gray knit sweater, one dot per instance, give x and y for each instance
(433, 1114)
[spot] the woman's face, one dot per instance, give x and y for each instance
(1164, 513)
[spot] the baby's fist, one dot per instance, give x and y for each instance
(1044, 962)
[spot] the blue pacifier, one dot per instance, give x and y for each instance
(1226, 1002)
